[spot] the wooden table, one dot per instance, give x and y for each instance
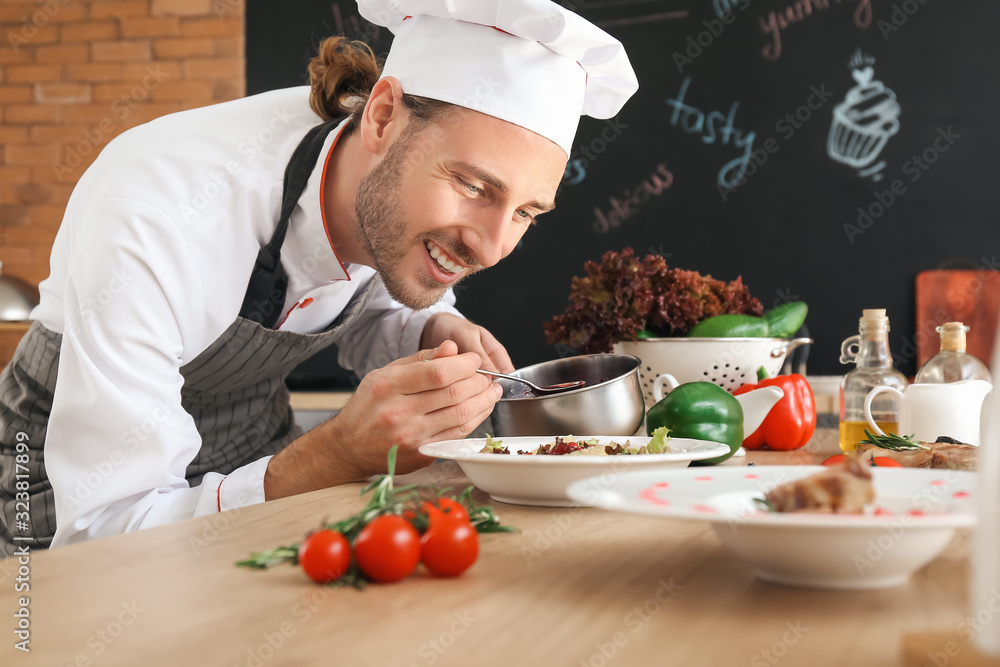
(577, 587)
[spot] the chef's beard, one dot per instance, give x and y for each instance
(382, 231)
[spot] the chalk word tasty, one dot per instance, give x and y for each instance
(714, 127)
(775, 21)
(914, 168)
(697, 44)
(624, 207)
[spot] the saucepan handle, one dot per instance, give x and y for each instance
(788, 346)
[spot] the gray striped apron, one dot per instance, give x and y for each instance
(234, 389)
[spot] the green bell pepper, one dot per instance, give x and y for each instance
(700, 410)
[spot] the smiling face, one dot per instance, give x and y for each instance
(451, 197)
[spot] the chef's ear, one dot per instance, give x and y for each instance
(384, 117)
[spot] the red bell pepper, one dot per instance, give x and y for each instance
(792, 421)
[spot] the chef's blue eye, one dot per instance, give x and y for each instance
(472, 188)
(525, 216)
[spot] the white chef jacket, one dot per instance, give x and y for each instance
(150, 266)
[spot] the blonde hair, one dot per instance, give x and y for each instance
(341, 78)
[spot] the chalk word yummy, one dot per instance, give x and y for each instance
(776, 21)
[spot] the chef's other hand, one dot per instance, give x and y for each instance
(432, 395)
(470, 338)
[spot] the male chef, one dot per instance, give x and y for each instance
(207, 253)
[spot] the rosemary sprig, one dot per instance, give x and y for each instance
(896, 443)
(385, 499)
(482, 517)
(765, 504)
(266, 559)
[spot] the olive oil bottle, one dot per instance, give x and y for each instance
(870, 351)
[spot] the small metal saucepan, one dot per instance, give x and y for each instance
(17, 298)
(610, 403)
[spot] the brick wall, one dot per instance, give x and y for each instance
(75, 74)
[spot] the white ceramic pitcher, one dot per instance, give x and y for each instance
(927, 411)
(756, 403)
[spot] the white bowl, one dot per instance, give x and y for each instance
(728, 362)
(542, 480)
(841, 551)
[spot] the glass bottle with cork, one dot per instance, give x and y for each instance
(870, 351)
(952, 363)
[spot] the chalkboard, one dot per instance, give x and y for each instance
(824, 150)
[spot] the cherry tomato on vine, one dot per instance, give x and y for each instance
(884, 462)
(834, 460)
(445, 506)
(325, 556)
(449, 547)
(877, 461)
(387, 549)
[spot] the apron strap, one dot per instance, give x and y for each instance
(265, 296)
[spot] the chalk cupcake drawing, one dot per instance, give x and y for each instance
(864, 121)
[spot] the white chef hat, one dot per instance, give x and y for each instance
(529, 62)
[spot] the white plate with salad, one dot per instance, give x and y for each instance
(535, 477)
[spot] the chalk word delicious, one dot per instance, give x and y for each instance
(694, 121)
(775, 21)
(624, 207)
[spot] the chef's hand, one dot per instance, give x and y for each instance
(470, 338)
(433, 395)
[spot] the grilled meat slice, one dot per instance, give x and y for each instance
(844, 489)
(942, 454)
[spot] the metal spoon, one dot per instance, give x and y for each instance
(549, 389)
